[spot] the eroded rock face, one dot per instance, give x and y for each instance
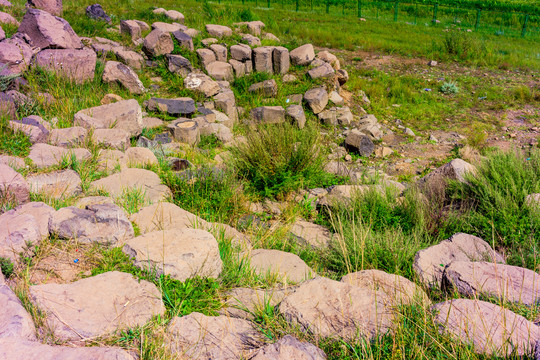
(286, 266)
(289, 348)
(491, 329)
(330, 308)
(180, 253)
(48, 31)
(505, 282)
(197, 336)
(97, 306)
(15, 322)
(101, 223)
(430, 263)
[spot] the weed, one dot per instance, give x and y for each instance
(6, 267)
(193, 295)
(449, 88)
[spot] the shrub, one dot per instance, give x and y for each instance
(449, 88)
(6, 266)
(462, 45)
(279, 159)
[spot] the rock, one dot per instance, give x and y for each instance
(130, 58)
(102, 223)
(165, 216)
(125, 115)
(96, 12)
(218, 31)
(220, 71)
(175, 107)
(180, 253)
(197, 336)
(286, 266)
(434, 183)
(53, 7)
(329, 308)
(158, 43)
(12, 161)
(270, 37)
(175, 16)
(532, 200)
(13, 187)
(111, 301)
(206, 56)
(325, 71)
(19, 349)
(15, 55)
(302, 55)
(359, 143)
(491, 280)
(68, 137)
(288, 78)
(220, 131)
(330, 58)
(15, 322)
(344, 193)
(43, 155)
(131, 28)
(34, 127)
(311, 234)
(201, 83)
(490, 329)
(142, 180)
(430, 263)
(317, 99)
(336, 98)
(342, 76)
(48, 31)
(268, 114)
(6, 19)
(251, 40)
(382, 152)
(184, 40)
(220, 51)
(238, 67)
(267, 88)
(432, 63)
(56, 184)
(241, 52)
(287, 348)
(18, 231)
(209, 41)
(297, 115)
(328, 117)
(138, 156)
(399, 290)
(111, 138)
(262, 59)
(168, 28)
(41, 213)
(117, 72)
(281, 60)
(246, 303)
(344, 116)
(226, 102)
(185, 130)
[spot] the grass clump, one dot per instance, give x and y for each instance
(449, 88)
(279, 159)
(6, 267)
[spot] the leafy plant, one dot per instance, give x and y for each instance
(449, 88)
(6, 266)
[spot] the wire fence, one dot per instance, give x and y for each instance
(487, 21)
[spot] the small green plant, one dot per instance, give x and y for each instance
(6, 80)
(193, 295)
(6, 266)
(449, 88)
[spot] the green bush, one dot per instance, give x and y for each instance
(449, 88)
(463, 46)
(6, 266)
(278, 159)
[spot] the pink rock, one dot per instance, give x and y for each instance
(48, 31)
(13, 187)
(15, 54)
(5, 3)
(77, 65)
(51, 6)
(6, 18)
(16, 230)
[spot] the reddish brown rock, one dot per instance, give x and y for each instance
(48, 31)
(51, 6)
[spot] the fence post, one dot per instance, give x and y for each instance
(311, 4)
(524, 30)
(477, 24)
(415, 13)
(435, 9)
(327, 6)
(343, 8)
(359, 8)
(297, 5)
(396, 10)
(269, 4)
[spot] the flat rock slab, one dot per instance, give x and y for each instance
(165, 216)
(246, 303)
(43, 155)
(331, 308)
(309, 233)
(97, 306)
(197, 336)
(13, 187)
(133, 180)
(398, 289)
(180, 253)
(112, 138)
(125, 115)
(101, 223)
(505, 282)
(16, 231)
(14, 320)
(40, 211)
(429, 263)
(290, 348)
(56, 184)
(286, 266)
(20, 349)
(491, 329)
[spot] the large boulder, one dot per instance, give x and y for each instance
(13, 187)
(179, 65)
(329, 308)
(125, 115)
(76, 65)
(241, 52)
(504, 282)
(98, 305)
(180, 253)
(32, 126)
(489, 328)
(101, 223)
(41, 212)
(68, 137)
(145, 181)
(302, 55)
(165, 216)
(197, 336)
(284, 265)
(429, 264)
(48, 31)
(185, 40)
(290, 348)
(281, 60)
(111, 138)
(117, 72)
(51, 6)
(15, 322)
(20, 349)
(57, 184)
(324, 71)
